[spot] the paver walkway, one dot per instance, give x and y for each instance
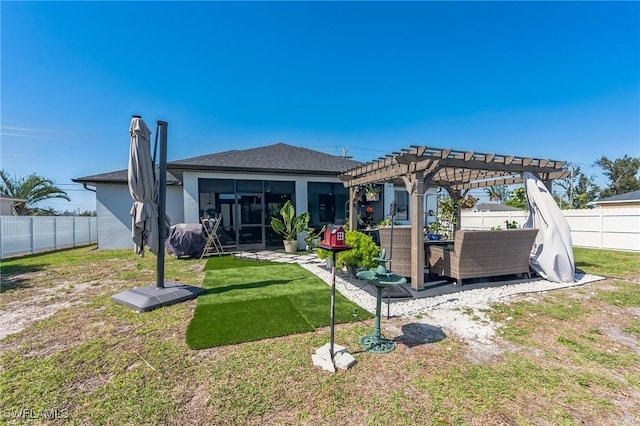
(281, 256)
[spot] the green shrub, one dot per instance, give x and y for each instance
(362, 254)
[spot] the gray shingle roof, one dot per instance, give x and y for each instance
(628, 196)
(488, 207)
(279, 157)
(119, 176)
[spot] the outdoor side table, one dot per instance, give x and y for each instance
(427, 250)
(380, 279)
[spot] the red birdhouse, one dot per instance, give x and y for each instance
(334, 236)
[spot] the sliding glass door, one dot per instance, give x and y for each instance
(246, 208)
(250, 208)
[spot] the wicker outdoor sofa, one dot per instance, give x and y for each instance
(479, 254)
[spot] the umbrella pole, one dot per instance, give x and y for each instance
(162, 203)
(146, 298)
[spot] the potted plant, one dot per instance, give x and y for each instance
(372, 193)
(433, 230)
(467, 202)
(289, 225)
(384, 222)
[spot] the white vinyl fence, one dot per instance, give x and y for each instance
(616, 229)
(20, 235)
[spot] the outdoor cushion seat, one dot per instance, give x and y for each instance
(479, 254)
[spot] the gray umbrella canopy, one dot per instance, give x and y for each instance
(142, 186)
(552, 254)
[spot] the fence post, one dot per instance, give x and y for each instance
(1, 239)
(33, 235)
(55, 233)
(601, 228)
(75, 222)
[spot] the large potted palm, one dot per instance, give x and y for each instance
(289, 225)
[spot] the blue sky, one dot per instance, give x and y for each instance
(541, 79)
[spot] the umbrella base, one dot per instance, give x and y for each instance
(147, 298)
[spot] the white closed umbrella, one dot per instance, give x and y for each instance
(552, 254)
(143, 187)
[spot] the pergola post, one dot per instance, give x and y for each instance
(353, 205)
(457, 199)
(417, 235)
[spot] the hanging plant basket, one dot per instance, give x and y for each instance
(372, 193)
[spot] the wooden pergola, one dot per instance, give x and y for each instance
(420, 167)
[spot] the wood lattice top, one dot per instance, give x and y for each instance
(457, 169)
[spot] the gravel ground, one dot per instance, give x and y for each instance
(447, 312)
(432, 317)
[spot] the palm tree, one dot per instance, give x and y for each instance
(33, 189)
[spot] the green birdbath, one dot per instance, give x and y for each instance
(380, 278)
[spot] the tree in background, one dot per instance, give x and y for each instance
(498, 193)
(622, 173)
(42, 212)
(518, 199)
(578, 189)
(33, 189)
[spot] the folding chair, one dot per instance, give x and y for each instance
(213, 245)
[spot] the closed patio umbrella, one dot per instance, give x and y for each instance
(146, 229)
(142, 186)
(552, 254)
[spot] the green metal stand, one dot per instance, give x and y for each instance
(380, 278)
(376, 342)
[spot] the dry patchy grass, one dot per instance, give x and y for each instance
(567, 357)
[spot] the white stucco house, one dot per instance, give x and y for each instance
(6, 204)
(246, 187)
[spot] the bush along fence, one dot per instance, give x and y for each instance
(20, 235)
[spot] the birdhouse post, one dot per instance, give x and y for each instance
(333, 241)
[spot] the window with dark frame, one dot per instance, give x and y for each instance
(402, 205)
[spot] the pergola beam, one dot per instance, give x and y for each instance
(425, 159)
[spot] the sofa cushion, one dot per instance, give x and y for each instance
(478, 254)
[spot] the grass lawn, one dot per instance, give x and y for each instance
(565, 357)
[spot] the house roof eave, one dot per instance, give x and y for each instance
(221, 169)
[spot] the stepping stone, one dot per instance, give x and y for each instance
(341, 358)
